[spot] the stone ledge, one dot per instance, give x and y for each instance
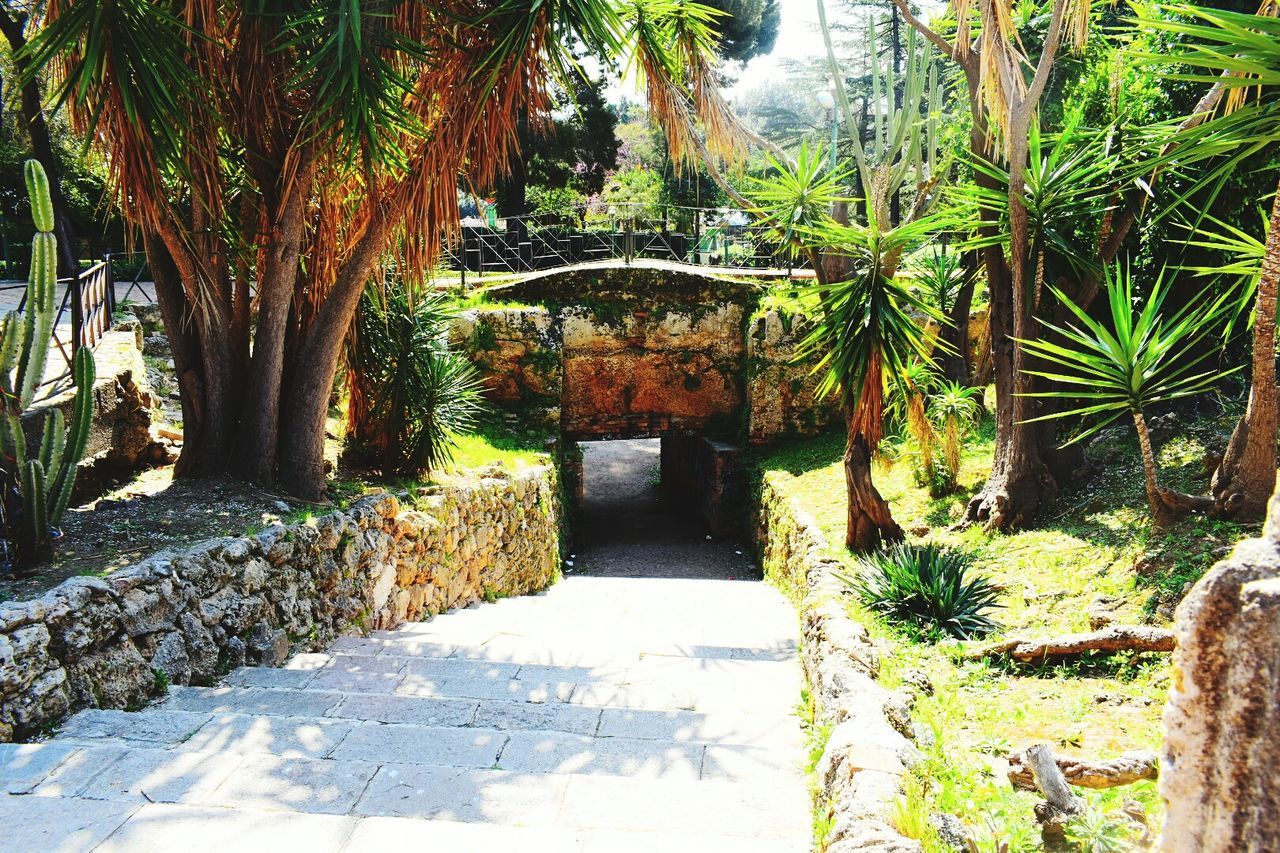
(860, 771)
(186, 617)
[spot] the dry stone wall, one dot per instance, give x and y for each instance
(861, 768)
(187, 617)
(1221, 748)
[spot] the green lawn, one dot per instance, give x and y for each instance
(1085, 545)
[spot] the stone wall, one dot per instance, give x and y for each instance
(860, 772)
(782, 395)
(1221, 751)
(642, 350)
(187, 617)
(121, 436)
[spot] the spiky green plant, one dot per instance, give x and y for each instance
(953, 408)
(411, 395)
(1138, 358)
(927, 588)
(940, 274)
(43, 483)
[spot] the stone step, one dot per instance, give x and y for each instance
(518, 746)
(592, 797)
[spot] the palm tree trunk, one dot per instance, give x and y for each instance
(1247, 476)
(1150, 470)
(306, 400)
(1020, 481)
(870, 521)
(1167, 506)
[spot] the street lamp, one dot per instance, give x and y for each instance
(827, 101)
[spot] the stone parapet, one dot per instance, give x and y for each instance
(860, 772)
(186, 618)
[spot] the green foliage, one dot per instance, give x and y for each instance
(1139, 358)
(1095, 830)
(43, 483)
(418, 395)
(953, 408)
(939, 275)
(927, 588)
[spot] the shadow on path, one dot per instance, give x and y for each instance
(627, 530)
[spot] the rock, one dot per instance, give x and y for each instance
(235, 653)
(919, 680)
(156, 346)
(114, 677)
(1220, 752)
(267, 646)
(171, 658)
(951, 830)
(1102, 611)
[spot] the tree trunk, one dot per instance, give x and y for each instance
(260, 427)
(202, 367)
(1019, 481)
(1244, 481)
(956, 363)
(1167, 505)
(306, 400)
(870, 521)
(41, 143)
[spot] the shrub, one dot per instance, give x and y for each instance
(411, 396)
(927, 588)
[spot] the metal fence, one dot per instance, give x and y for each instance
(87, 307)
(706, 237)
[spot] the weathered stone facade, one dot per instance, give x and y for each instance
(645, 350)
(783, 394)
(861, 768)
(1221, 749)
(187, 617)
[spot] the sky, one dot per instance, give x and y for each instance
(798, 38)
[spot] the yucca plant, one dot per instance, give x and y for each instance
(940, 274)
(909, 403)
(953, 408)
(411, 396)
(927, 588)
(1238, 57)
(1138, 358)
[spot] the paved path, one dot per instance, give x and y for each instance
(606, 714)
(627, 530)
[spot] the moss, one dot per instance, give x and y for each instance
(483, 337)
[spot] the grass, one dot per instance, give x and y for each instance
(495, 443)
(1084, 547)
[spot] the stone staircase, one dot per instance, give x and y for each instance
(602, 715)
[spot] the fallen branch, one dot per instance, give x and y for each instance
(1125, 770)
(1060, 802)
(1117, 638)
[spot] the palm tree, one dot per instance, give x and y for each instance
(864, 336)
(1140, 358)
(301, 146)
(1238, 54)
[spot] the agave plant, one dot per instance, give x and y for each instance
(411, 396)
(952, 408)
(1140, 357)
(927, 588)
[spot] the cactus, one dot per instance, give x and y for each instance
(43, 483)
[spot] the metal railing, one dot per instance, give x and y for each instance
(88, 303)
(719, 237)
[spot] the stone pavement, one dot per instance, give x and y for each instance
(606, 714)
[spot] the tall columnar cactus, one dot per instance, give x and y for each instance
(44, 482)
